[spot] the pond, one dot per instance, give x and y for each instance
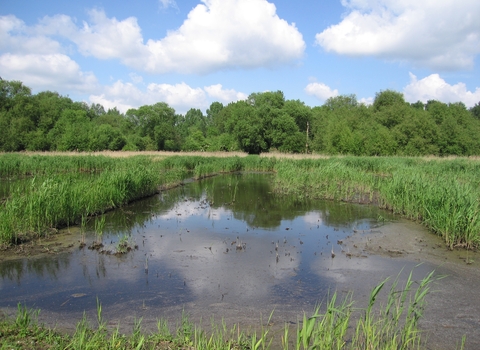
(225, 247)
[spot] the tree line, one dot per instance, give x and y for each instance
(263, 122)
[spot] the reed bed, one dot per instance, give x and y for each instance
(339, 324)
(443, 194)
(60, 190)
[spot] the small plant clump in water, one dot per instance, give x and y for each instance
(124, 246)
(99, 227)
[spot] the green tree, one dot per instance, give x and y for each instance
(194, 118)
(246, 126)
(212, 114)
(72, 131)
(387, 99)
(18, 115)
(195, 141)
(301, 113)
(475, 111)
(267, 106)
(390, 107)
(157, 122)
(341, 102)
(417, 134)
(285, 135)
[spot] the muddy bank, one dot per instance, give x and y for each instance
(64, 241)
(452, 306)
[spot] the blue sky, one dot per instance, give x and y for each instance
(189, 53)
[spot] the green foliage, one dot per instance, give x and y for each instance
(48, 121)
(341, 102)
(285, 135)
(301, 114)
(475, 110)
(157, 122)
(388, 99)
(195, 141)
(71, 132)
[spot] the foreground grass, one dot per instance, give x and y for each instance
(441, 193)
(336, 325)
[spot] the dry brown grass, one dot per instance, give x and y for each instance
(294, 155)
(163, 154)
(124, 154)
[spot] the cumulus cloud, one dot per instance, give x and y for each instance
(438, 35)
(126, 95)
(434, 87)
(18, 38)
(227, 34)
(217, 34)
(102, 37)
(39, 61)
(47, 72)
(224, 95)
(181, 96)
(320, 91)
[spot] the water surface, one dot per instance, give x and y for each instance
(224, 246)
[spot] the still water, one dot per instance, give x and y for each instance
(225, 246)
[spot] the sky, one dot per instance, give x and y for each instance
(188, 53)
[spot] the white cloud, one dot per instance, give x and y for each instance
(439, 35)
(181, 96)
(109, 103)
(137, 79)
(227, 34)
(218, 34)
(320, 91)
(54, 72)
(224, 95)
(108, 38)
(17, 38)
(434, 87)
(38, 61)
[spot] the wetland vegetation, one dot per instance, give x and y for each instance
(46, 193)
(57, 191)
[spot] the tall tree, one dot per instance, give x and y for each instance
(157, 122)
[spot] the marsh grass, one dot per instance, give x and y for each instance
(388, 321)
(391, 325)
(441, 193)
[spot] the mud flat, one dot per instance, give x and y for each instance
(452, 307)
